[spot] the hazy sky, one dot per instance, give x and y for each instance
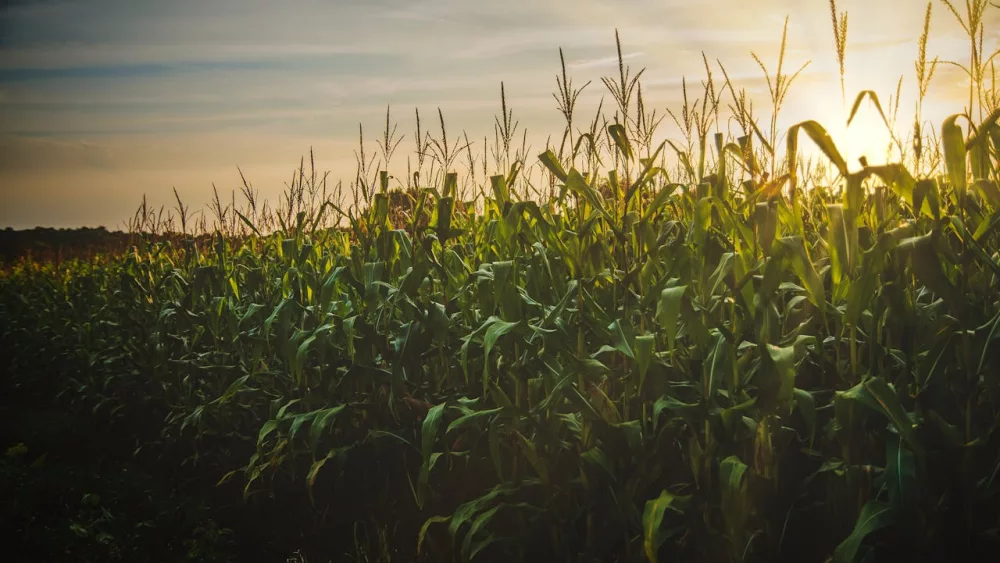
(102, 101)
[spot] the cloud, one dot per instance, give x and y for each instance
(23, 154)
(603, 61)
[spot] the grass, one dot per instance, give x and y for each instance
(706, 350)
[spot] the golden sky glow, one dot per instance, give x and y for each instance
(102, 101)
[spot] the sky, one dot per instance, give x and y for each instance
(104, 101)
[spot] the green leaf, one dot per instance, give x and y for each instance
(575, 396)
(497, 328)
(874, 98)
(898, 178)
(926, 199)
(466, 511)
(478, 524)
(301, 355)
(321, 420)
(442, 219)
(766, 225)
(297, 423)
(687, 411)
(423, 530)
(551, 162)
(860, 394)
(807, 407)
(265, 431)
(494, 439)
(993, 334)
(652, 519)
(843, 242)
(645, 346)
(716, 364)
(235, 387)
(682, 156)
(620, 339)
(428, 434)
(935, 361)
(927, 266)
(472, 419)
(315, 468)
(450, 185)
(649, 169)
(954, 155)
(500, 192)
(289, 248)
(893, 410)
(818, 134)
(989, 191)
(659, 200)
(701, 222)
(875, 515)
(668, 310)
(901, 480)
(861, 291)
(477, 547)
(576, 183)
(735, 501)
(248, 223)
(596, 458)
(617, 132)
(537, 461)
(794, 250)
(784, 365)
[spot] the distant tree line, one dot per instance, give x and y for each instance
(49, 244)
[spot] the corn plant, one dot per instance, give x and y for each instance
(718, 359)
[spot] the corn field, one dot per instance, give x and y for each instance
(709, 349)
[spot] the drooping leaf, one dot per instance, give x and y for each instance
(652, 520)
(618, 134)
(482, 519)
(321, 420)
(551, 162)
(893, 410)
(807, 407)
(871, 95)
(821, 138)
(472, 419)
(426, 525)
(716, 364)
(953, 143)
(265, 431)
(622, 340)
(875, 515)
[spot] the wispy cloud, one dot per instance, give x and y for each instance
(603, 61)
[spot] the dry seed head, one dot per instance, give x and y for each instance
(923, 73)
(839, 41)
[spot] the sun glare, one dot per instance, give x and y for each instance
(866, 136)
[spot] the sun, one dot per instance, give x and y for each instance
(866, 137)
